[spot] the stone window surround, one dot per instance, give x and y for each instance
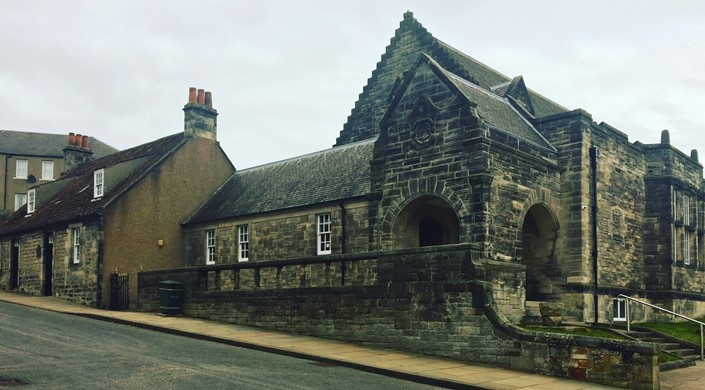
(243, 238)
(210, 246)
(323, 234)
(21, 169)
(75, 244)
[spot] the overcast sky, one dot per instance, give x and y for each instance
(286, 74)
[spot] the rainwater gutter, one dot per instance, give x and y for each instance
(343, 238)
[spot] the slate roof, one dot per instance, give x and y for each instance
(488, 78)
(45, 145)
(330, 175)
(409, 41)
(75, 201)
(499, 113)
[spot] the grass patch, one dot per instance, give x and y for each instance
(687, 331)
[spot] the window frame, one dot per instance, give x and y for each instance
(76, 245)
(686, 248)
(98, 183)
(45, 164)
(324, 230)
(31, 200)
(18, 174)
(619, 310)
(210, 246)
(23, 197)
(243, 243)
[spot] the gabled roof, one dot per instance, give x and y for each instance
(75, 201)
(44, 145)
(499, 113)
(409, 41)
(495, 111)
(326, 176)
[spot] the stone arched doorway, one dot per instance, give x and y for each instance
(539, 233)
(426, 221)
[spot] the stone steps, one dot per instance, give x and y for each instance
(668, 345)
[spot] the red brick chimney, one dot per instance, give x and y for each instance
(200, 119)
(76, 152)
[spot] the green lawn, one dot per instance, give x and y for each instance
(688, 331)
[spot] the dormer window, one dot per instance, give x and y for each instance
(98, 186)
(31, 201)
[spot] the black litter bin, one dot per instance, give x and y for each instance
(171, 296)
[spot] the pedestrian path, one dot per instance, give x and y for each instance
(404, 365)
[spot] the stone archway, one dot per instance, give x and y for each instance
(539, 233)
(425, 221)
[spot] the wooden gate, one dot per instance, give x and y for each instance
(119, 291)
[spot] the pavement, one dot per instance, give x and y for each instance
(403, 365)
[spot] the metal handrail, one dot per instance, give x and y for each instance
(702, 324)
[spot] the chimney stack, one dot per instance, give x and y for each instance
(76, 152)
(200, 119)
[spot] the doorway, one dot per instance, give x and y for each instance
(539, 233)
(48, 264)
(15, 265)
(426, 221)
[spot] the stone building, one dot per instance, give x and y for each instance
(118, 214)
(28, 159)
(440, 149)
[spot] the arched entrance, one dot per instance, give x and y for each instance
(426, 221)
(539, 233)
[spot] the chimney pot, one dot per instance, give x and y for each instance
(201, 97)
(72, 138)
(209, 100)
(192, 95)
(77, 141)
(84, 142)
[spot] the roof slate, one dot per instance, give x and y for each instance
(330, 175)
(45, 145)
(76, 201)
(497, 112)
(409, 41)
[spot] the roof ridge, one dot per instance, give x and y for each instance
(307, 155)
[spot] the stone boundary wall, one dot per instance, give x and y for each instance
(425, 301)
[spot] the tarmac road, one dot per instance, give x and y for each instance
(48, 350)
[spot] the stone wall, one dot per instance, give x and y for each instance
(73, 282)
(30, 264)
(426, 301)
(282, 235)
(78, 282)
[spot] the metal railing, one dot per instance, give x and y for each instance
(701, 324)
